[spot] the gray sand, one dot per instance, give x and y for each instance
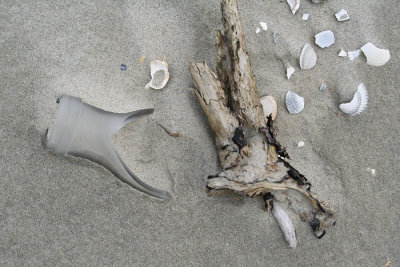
(72, 212)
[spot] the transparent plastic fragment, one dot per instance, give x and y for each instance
(84, 131)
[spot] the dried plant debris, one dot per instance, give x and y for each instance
(169, 132)
(141, 59)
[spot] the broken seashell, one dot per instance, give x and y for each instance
(308, 58)
(294, 102)
(372, 171)
(263, 26)
(300, 144)
(342, 15)
(342, 53)
(375, 56)
(359, 102)
(275, 36)
(325, 39)
(353, 54)
(258, 30)
(155, 66)
(285, 224)
(322, 87)
(305, 16)
(294, 5)
(269, 106)
(289, 72)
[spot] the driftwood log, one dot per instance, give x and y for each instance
(254, 163)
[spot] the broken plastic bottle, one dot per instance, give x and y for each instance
(82, 130)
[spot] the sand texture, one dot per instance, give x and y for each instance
(65, 211)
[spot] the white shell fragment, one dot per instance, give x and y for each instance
(371, 171)
(300, 144)
(325, 39)
(275, 36)
(155, 66)
(375, 56)
(305, 16)
(289, 72)
(322, 87)
(258, 30)
(353, 54)
(342, 53)
(294, 102)
(359, 102)
(342, 15)
(285, 224)
(308, 58)
(263, 26)
(294, 5)
(269, 106)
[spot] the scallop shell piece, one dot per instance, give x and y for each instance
(342, 15)
(294, 5)
(359, 102)
(258, 30)
(308, 58)
(289, 72)
(269, 106)
(294, 102)
(155, 66)
(325, 39)
(375, 56)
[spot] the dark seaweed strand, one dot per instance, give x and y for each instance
(238, 138)
(269, 201)
(270, 137)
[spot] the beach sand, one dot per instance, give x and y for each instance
(65, 211)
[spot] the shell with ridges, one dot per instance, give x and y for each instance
(294, 102)
(308, 58)
(359, 102)
(375, 56)
(294, 5)
(269, 106)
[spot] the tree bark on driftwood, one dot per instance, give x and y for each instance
(253, 161)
